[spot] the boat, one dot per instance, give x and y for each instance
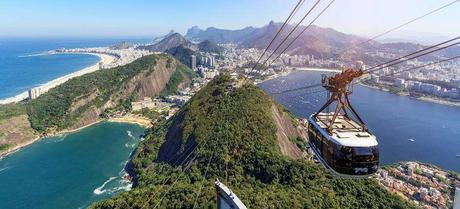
(412, 140)
(458, 155)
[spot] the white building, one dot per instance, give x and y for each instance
(207, 73)
(178, 100)
(193, 62)
(429, 88)
(414, 85)
(35, 92)
(457, 199)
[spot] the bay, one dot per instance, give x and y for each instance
(69, 171)
(407, 129)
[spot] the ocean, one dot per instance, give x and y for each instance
(406, 128)
(24, 64)
(69, 171)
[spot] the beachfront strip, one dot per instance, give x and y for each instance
(425, 185)
(109, 58)
(123, 55)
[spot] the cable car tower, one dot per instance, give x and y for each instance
(339, 89)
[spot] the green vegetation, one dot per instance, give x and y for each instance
(183, 54)
(153, 115)
(4, 146)
(233, 129)
(176, 79)
(52, 110)
(210, 46)
(300, 142)
(11, 110)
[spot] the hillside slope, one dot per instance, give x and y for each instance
(239, 135)
(83, 100)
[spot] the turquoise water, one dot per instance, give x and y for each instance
(394, 119)
(24, 65)
(69, 171)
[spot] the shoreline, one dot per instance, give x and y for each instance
(104, 58)
(129, 120)
(421, 98)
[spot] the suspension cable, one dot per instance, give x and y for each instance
(286, 22)
(295, 39)
(290, 33)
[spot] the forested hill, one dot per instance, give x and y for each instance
(234, 132)
(84, 100)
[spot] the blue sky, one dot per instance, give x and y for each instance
(154, 17)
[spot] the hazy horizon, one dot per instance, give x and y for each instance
(31, 18)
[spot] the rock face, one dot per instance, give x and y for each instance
(149, 83)
(16, 132)
(286, 130)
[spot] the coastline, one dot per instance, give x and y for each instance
(421, 98)
(144, 122)
(104, 58)
(129, 119)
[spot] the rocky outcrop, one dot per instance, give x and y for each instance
(286, 130)
(153, 83)
(15, 132)
(149, 83)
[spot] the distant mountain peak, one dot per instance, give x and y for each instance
(170, 33)
(193, 31)
(172, 40)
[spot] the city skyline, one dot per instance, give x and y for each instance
(144, 18)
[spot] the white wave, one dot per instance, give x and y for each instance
(35, 55)
(58, 139)
(128, 145)
(100, 189)
(123, 164)
(130, 135)
(126, 187)
(2, 169)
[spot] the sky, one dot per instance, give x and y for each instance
(155, 17)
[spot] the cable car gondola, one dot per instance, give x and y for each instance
(341, 142)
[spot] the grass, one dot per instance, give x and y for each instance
(4, 147)
(11, 110)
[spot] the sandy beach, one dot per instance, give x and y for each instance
(104, 58)
(144, 122)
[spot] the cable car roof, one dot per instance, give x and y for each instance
(346, 132)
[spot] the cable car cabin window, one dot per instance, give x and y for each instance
(347, 159)
(315, 136)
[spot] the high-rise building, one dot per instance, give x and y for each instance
(457, 199)
(34, 92)
(193, 62)
(211, 61)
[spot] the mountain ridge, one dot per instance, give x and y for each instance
(318, 41)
